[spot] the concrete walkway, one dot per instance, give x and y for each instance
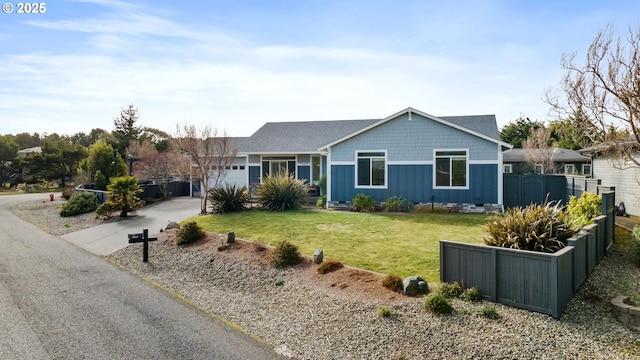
(108, 238)
(627, 222)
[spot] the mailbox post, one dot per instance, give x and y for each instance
(144, 238)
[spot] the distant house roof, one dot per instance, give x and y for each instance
(29, 151)
(309, 136)
(556, 154)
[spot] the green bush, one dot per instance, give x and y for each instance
(393, 283)
(79, 203)
(228, 198)
(364, 203)
(451, 290)
(471, 294)
(284, 255)
(397, 204)
(635, 245)
(329, 266)
(437, 303)
(543, 228)
(189, 233)
(584, 209)
(488, 311)
(321, 203)
(384, 311)
(282, 192)
(322, 184)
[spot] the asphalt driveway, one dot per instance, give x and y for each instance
(108, 238)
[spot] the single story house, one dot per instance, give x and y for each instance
(447, 160)
(546, 161)
(621, 173)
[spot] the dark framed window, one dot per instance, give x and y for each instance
(278, 165)
(371, 169)
(451, 170)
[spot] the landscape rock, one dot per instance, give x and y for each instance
(172, 225)
(414, 285)
(231, 238)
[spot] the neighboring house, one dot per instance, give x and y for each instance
(546, 161)
(453, 160)
(24, 153)
(619, 173)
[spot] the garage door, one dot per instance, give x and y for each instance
(237, 174)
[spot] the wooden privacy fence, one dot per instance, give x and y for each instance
(541, 282)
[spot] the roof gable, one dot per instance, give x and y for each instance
(483, 126)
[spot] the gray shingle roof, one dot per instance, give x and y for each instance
(482, 124)
(300, 137)
(557, 154)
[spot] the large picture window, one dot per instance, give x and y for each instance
(371, 169)
(451, 169)
(277, 165)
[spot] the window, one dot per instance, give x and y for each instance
(451, 169)
(507, 169)
(371, 169)
(278, 165)
(569, 169)
(537, 169)
(315, 170)
(586, 170)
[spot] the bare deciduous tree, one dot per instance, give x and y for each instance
(210, 154)
(606, 89)
(537, 150)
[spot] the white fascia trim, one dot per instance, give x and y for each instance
(500, 178)
(484, 162)
(410, 162)
(340, 162)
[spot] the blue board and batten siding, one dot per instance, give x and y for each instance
(410, 162)
(415, 183)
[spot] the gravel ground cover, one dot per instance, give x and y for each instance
(310, 317)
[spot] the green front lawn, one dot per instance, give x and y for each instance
(398, 244)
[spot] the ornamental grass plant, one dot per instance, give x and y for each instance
(543, 228)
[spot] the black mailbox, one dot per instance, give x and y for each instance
(134, 238)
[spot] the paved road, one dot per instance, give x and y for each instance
(58, 301)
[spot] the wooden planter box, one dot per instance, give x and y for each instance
(534, 281)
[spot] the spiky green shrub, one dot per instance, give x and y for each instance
(79, 203)
(451, 290)
(393, 283)
(282, 192)
(635, 245)
(284, 255)
(543, 228)
(437, 303)
(321, 203)
(585, 208)
(397, 204)
(329, 266)
(363, 203)
(189, 233)
(228, 198)
(471, 294)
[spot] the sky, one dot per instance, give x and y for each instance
(237, 64)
